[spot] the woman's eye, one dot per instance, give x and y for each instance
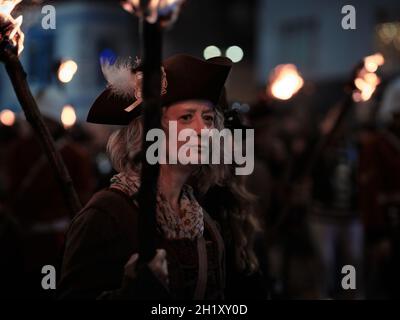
(186, 117)
(209, 118)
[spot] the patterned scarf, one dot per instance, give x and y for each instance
(190, 225)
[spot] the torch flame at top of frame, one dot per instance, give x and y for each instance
(10, 28)
(285, 81)
(367, 80)
(165, 11)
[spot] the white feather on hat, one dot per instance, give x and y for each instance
(121, 80)
(125, 82)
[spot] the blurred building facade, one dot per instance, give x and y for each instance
(309, 34)
(84, 31)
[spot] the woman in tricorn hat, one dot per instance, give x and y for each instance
(100, 256)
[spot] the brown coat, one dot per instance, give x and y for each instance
(104, 235)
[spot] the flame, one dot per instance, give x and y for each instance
(67, 70)
(10, 28)
(7, 117)
(285, 81)
(165, 11)
(128, 6)
(367, 80)
(68, 116)
(371, 63)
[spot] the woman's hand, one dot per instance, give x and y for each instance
(158, 265)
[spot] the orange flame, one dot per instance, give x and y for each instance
(68, 116)
(285, 81)
(67, 70)
(7, 117)
(11, 26)
(367, 80)
(371, 63)
(165, 11)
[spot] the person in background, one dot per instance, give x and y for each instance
(35, 199)
(379, 183)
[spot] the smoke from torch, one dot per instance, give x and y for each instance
(10, 28)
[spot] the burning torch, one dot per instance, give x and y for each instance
(360, 88)
(285, 81)
(154, 15)
(11, 46)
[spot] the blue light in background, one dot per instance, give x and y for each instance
(108, 55)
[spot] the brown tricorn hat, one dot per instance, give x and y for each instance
(184, 78)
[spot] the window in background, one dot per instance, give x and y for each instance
(299, 42)
(40, 50)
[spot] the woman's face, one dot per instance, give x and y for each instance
(190, 114)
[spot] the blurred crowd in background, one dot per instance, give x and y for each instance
(345, 211)
(318, 213)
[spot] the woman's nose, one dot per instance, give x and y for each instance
(199, 125)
